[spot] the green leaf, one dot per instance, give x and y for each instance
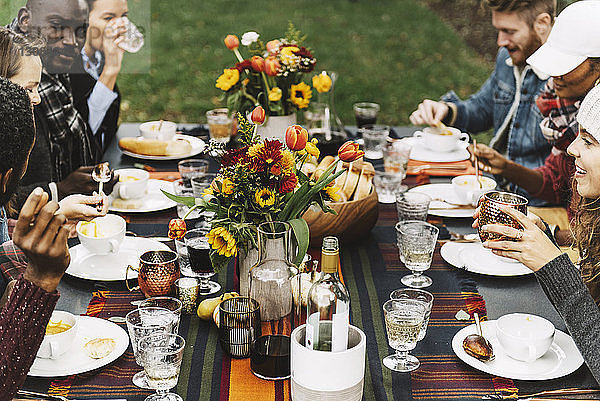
(302, 234)
(189, 201)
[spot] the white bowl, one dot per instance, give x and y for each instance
(149, 130)
(109, 243)
(467, 188)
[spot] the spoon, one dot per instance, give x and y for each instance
(476, 345)
(476, 163)
(117, 319)
(101, 174)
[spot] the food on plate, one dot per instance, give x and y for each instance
(478, 347)
(57, 327)
(462, 315)
(153, 147)
(98, 348)
(129, 204)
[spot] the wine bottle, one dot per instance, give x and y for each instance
(328, 304)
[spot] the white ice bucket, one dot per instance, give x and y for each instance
(328, 376)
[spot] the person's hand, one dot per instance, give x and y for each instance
(80, 182)
(532, 247)
(42, 236)
(429, 112)
(489, 159)
(83, 207)
(113, 54)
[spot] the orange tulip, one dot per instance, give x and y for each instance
(296, 137)
(271, 66)
(273, 46)
(232, 42)
(258, 115)
(349, 152)
(177, 229)
(258, 63)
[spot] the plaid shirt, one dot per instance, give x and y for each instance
(12, 261)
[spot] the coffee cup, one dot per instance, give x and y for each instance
(524, 337)
(160, 130)
(468, 190)
(133, 183)
(103, 235)
(442, 139)
(54, 345)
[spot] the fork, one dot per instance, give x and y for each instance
(418, 169)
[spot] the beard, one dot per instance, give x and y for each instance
(526, 50)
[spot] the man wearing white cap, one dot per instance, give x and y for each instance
(571, 56)
(575, 293)
(505, 102)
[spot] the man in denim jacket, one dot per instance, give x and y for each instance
(506, 101)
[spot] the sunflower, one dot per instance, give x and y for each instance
(222, 241)
(331, 192)
(264, 197)
(230, 77)
(227, 186)
(300, 95)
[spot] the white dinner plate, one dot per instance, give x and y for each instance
(562, 358)
(111, 267)
(442, 209)
(76, 360)
(197, 144)
(421, 153)
(153, 201)
(474, 258)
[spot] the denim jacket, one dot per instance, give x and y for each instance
(491, 107)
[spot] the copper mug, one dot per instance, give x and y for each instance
(157, 273)
(490, 213)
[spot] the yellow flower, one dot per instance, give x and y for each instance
(222, 241)
(287, 161)
(208, 191)
(274, 94)
(311, 148)
(227, 186)
(254, 150)
(264, 197)
(287, 56)
(230, 77)
(300, 95)
(332, 192)
(321, 82)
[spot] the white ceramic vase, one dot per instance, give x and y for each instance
(275, 126)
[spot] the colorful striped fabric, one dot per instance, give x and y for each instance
(371, 270)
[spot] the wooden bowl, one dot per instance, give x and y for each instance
(354, 219)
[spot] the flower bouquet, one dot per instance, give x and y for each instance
(273, 75)
(262, 181)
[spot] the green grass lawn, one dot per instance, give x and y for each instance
(393, 52)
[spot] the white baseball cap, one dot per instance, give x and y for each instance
(575, 36)
(588, 114)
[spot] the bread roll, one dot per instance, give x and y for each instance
(324, 165)
(152, 147)
(354, 171)
(365, 182)
(100, 347)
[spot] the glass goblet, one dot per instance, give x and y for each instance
(162, 354)
(201, 266)
(172, 304)
(417, 243)
(142, 322)
(403, 320)
(417, 295)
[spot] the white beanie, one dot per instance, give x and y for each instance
(589, 113)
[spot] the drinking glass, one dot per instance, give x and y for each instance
(199, 185)
(181, 190)
(412, 205)
(365, 113)
(403, 321)
(387, 185)
(219, 124)
(142, 322)
(490, 213)
(396, 154)
(198, 250)
(172, 304)
(188, 290)
(239, 326)
(375, 138)
(426, 298)
(417, 242)
(133, 38)
(162, 356)
(190, 168)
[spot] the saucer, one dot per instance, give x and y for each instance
(421, 153)
(153, 201)
(76, 360)
(89, 266)
(474, 258)
(443, 209)
(562, 358)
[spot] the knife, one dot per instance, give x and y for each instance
(32, 395)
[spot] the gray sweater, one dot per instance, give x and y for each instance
(564, 287)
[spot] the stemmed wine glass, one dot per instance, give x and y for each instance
(172, 304)
(142, 322)
(416, 241)
(426, 298)
(162, 354)
(403, 321)
(101, 174)
(198, 250)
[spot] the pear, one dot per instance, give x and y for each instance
(206, 307)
